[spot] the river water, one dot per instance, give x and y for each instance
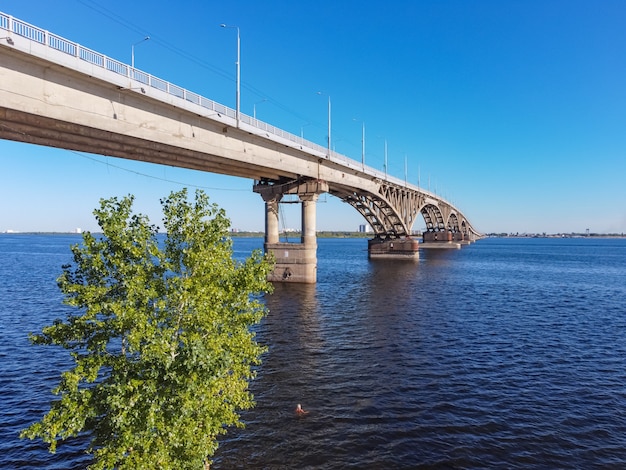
(508, 353)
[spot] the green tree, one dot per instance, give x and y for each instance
(162, 346)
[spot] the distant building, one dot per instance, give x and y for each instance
(365, 228)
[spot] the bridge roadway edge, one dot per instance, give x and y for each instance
(68, 109)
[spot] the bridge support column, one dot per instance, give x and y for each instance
(384, 248)
(271, 220)
(309, 219)
(295, 262)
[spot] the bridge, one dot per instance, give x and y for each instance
(57, 93)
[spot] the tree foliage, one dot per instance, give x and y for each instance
(162, 347)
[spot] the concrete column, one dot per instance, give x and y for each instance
(271, 220)
(309, 235)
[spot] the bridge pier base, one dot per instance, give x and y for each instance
(443, 239)
(379, 248)
(295, 262)
(461, 238)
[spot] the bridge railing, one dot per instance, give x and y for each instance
(58, 43)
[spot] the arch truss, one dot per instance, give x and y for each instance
(391, 211)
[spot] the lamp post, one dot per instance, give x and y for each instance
(406, 170)
(385, 158)
(329, 122)
(132, 53)
(254, 106)
(302, 129)
(418, 176)
(237, 94)
(362, 143)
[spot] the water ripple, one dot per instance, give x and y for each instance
(505, 354)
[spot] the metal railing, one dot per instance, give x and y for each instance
(41, 36)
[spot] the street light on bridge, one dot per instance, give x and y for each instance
(362, 143)
(385, 158)
(302, 129)
(406, 170)
(237, 93)
(132, 53)
(254, 107)
(329, 124)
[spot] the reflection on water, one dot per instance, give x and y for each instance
(457, 361)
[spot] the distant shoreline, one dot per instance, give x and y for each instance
(557, 235)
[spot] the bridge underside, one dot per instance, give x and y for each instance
(33, 129)
(391, 211)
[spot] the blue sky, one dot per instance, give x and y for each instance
(513, 110)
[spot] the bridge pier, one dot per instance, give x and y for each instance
(295, 262)
(462, 238)
(393, 248)
(442, 239)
